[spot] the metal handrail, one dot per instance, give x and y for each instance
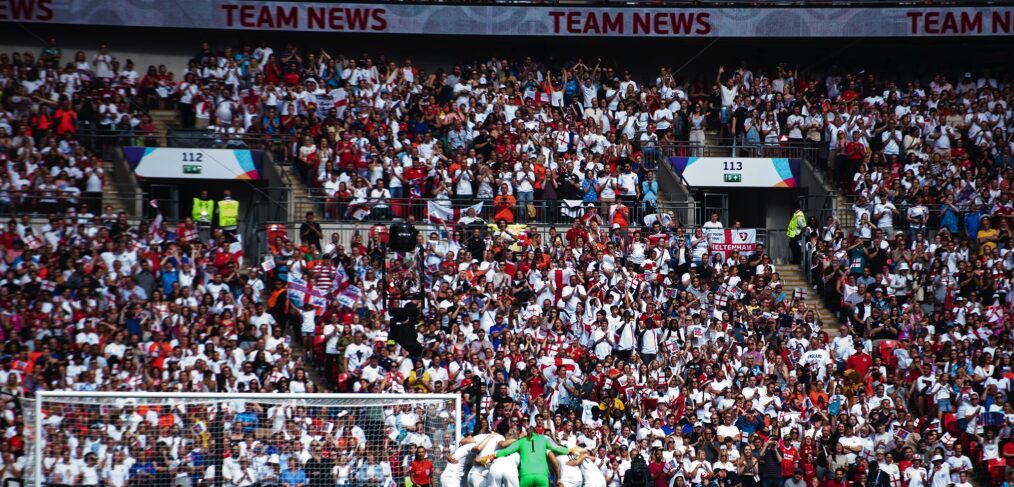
(179, 137)
(726, 149)
(100, 140)
(661, 157)
(545, 211)
(44, 206)
(845, 214)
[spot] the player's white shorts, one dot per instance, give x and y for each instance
(478, 476)
(451, 480)
(504, 473)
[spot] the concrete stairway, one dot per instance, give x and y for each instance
(301, 200)
(847, 217)
(792, 278)
(163, 119)
(110, 190)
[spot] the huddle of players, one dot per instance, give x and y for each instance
(494, 460)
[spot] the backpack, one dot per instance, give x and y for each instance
(637, 474)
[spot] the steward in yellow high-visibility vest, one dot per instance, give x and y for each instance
(796, 224)
(228, 212)
(203, 209)
(795, 234)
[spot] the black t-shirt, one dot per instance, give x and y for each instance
(486, 150)
(877, 262)
(740, 116)
(163, 475)
(876, 142)
(971, 287)
(745, 271)
(770, 467)
(318, 472)
(884, 334)
(476, 247)
(569, 189)
(730, 479)
(308, 233)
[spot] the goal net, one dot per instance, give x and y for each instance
(184, 440)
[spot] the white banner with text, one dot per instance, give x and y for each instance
(520, 20)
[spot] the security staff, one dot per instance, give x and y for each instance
(203, 209)
(795, 234)
(228, 212)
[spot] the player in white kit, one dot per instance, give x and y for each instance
(478, 476)
(459, 462)
(503, 472)
(569, 470)
(592, 473)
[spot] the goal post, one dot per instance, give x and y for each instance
(222, 439)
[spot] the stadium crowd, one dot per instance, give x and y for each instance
(625, 334)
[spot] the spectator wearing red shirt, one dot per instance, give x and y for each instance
(421, 469)
(838, 480)
(346, 152)
(504, 205)
(576, 231)
(657, 470)
(789, 458)
(66, 118)
(808, 458)
(860, 362)
(9, 236)
(536, 385)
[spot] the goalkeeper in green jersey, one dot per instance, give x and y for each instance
(533, 448)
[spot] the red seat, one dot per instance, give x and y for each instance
(974, 452)
(997, 471)
(951, 424)
(276, 230)
(887, 353)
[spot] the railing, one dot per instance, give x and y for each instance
(35, 205)
(280, 145)
(845, 215)
(346, 230)
(660, 160)
(99, 140)
(729, 148)
(534, 211)
(775, 241)
(683, 213)
(820, 206)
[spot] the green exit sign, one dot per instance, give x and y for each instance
(734, 178)
(196, 169)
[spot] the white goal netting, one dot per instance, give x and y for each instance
(233, 440)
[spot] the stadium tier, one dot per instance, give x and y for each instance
(595, 245)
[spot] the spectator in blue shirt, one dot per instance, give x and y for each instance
(293, 476)
(144, 471)
(169, 277)
(748, 424)
(495, 332)
(649, 194)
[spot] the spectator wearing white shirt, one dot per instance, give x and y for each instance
(892, 139)
(795, 125)
(380, 199)
(628, 183)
